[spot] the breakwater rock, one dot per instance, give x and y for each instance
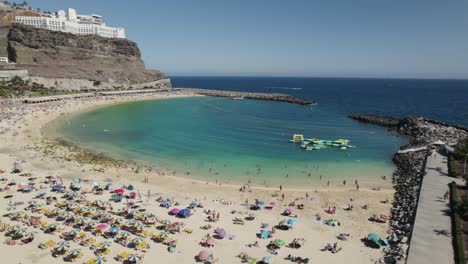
(257, 96)
(420, 131)
(407, 180)
(384, 121)
(408, 177)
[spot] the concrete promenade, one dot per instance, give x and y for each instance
(432, 239)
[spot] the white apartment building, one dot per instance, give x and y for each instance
(72, 23)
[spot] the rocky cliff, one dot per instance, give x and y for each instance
(59, 56)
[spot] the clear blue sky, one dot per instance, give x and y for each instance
(356, 38)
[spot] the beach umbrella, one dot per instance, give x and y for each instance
(75, 252)
(130, 222)
(20, 232)
(165, 203)
(134, 258)
(193, 205)
(174, 211)
(267, 260)
(52, 226)
(258, 203)
(166, 222)
(279, 242)
(93, 223)
(124, 234)
(289, 210)
(114, 229)
(264, 234)
(292, 222)
(384, 241)
(119, 191)
(163, 235)
(139, 226)
(73, 233)
(137, 241)
(273, 203)
(221, 233)
(40, 193)
(374, 238)
(184, 213)
(101, 226)
(203, 255)
(29, 235)
(210, 242)
(283, 223)
(75, 180)
(81, 221)
(55, 211)
(62, 246)
(105, 244)
(14, 228)
(98, 260)
(151, 220)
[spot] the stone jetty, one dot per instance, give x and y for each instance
(256, 96)
(408, 177)
(407, 181)
(420, 131)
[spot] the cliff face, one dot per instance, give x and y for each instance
(52, 54)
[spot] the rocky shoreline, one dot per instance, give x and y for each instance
(408, 177)
(407, 181)
(256, 96)
(420, 131)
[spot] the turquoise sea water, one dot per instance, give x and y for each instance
(235, 140)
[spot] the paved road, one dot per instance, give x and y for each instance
(432, 238)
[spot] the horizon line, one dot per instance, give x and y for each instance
(320, 77)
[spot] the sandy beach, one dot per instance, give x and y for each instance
(22, 142)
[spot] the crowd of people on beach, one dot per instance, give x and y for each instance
(98, 219)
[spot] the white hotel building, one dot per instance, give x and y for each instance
(72, 23)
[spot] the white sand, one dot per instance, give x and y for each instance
(21, 139)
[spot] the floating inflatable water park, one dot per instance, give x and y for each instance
(318, 144)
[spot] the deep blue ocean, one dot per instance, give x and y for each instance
(210, 138)
(444, 100)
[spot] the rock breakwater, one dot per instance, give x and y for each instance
(408, 177)
(407, 180)
(420, 131)
(257, 96)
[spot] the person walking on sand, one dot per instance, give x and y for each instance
(344, 182)
(446, 195)
(282, 196)
(357, 187)
(281, 188)
(328, 183)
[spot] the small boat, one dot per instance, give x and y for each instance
(238, 98)
(297, 138)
